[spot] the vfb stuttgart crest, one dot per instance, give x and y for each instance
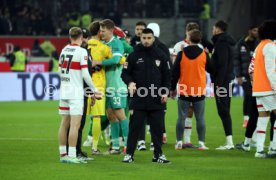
(157, 62)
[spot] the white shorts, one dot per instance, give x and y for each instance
(71, 107)
(266, 103)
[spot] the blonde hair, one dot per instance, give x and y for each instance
(75, 33)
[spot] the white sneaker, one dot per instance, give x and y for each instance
(202, 147)
(260, 154)
(178, 145)
(88, 142)
(141, 146)
(151, 146)
(226, 147)
(271, 153)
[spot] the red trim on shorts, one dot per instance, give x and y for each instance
(188, 127)
(64, 108)
(260, 106)
(274, 128)
(261, 132)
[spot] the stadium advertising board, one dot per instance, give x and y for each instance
(29, 86)
(46, 86)
(26, 43)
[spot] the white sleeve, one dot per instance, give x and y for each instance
(269, 52)
(176, 49)
(84, 71)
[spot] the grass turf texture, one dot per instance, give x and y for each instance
(29, 149)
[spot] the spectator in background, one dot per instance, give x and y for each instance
(243, 54)
(47, 47)
(54, 64)
(36, 49)
(206, 11)
(74, 20)
(86, 19)
(139, 27)
(222, 78)
(5, 23)
(115, 17)
(19, 63)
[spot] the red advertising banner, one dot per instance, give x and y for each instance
(26, 43)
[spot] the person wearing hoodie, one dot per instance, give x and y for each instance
(192, 61)
(222, 77)
(147, 71)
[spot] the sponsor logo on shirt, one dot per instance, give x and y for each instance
(140, 60)
(65, 79)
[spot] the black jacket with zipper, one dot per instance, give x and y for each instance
(243, 54)
(148, 66)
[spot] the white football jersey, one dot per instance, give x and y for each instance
(180, 45)
(73, 70)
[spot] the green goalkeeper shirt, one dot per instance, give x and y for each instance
(113, 69)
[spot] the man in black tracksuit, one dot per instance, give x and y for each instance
(142, 136)
(222, 60)
(147, 74)
(244, 50)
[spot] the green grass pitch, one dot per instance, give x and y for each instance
(29, 149)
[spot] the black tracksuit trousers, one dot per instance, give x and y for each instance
(155, 119)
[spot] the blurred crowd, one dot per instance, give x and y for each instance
(31, 17)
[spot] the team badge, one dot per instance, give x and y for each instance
(157, 62)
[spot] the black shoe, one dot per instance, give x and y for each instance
(161, 159)
(84, 156)
(128, 159)
(242, 146)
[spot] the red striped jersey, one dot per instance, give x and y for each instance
(73, 70)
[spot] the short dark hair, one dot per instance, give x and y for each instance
(107, 23)
(141, 23)
(85, 33)
(267, 30)
(222, 25)
(195, 36)
(75, 33)
(253, 26)
(147, 31)
(192, 25)
(94, 28)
